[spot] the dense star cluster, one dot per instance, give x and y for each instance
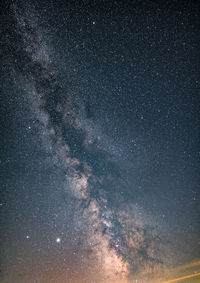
(99, 146)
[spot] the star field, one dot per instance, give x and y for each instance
(99, 153)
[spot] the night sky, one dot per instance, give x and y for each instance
(99, 140)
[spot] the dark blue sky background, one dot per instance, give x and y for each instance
(116, 82)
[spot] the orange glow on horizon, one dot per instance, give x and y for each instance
(182, 278)
(189, 270)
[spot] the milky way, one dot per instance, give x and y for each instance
(117, 240)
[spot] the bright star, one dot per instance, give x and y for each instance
(58, 240)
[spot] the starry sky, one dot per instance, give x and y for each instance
(99, 144)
